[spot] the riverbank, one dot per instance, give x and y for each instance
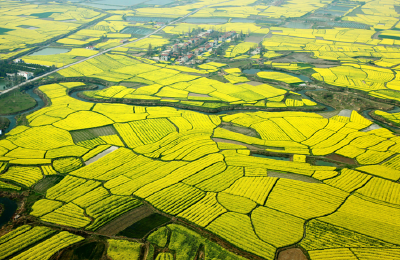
(16, 102)
(344, 100)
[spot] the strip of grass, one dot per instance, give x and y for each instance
(15, 102)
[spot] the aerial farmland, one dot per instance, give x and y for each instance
(200, 130)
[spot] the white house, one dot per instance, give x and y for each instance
(164, 57)
(27, 75)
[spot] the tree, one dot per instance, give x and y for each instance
(262, 49)
(149, 50)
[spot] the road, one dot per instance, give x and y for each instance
(100, 53)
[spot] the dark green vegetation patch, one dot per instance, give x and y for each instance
(89, 251)
(16, 102)
(4, 30)
(47, 182)
(144, 226)
(44, 15)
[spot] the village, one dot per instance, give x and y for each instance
(187, 51)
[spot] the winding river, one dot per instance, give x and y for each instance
(74, 94)
(12, 117)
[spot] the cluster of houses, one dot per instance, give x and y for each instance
(201, 41)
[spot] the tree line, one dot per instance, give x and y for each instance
(12, 68)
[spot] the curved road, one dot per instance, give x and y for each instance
(102, 52)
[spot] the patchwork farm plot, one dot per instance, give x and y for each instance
(143, 167)
(173, 84)
(34, 24)
(170, 159)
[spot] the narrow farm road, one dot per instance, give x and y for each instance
(102, 52)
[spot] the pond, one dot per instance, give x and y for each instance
(137, 30)
(148, 19)
(339, 8)
(298, 25)
(9, 209)
(254, 71)
(205, 20)
(50, 51)
(271, 157)
(324, 163)
(325, 12)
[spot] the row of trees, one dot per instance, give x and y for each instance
(11, 68)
